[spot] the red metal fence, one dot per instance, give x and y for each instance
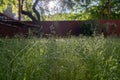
(59, 28)
(10, 27)
(112, 26)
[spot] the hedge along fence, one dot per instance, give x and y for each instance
(64, 28)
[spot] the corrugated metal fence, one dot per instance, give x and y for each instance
(59, 28)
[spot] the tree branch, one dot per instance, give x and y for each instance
(35, 11)
(29, 14)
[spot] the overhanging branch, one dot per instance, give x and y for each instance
(29, 14)
(35, 11)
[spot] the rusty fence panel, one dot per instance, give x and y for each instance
(59, 28)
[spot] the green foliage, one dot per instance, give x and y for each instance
(57, 17)
(78, 11)
(81, 58)
(67, 16)
(96, 10)
(90, 28)
(5, 3)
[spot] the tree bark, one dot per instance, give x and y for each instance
(35, 11)
(32, 17)
(38, 17)
(29, 14)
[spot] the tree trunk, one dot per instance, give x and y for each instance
(32, 17)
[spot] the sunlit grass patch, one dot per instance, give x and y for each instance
(75, 58)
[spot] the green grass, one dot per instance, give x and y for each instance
(81, 58)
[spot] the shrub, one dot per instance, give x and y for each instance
(88, 28)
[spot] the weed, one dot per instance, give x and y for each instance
(81, 58)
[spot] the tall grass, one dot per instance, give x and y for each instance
(81, 58)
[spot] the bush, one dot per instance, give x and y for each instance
(88, 28)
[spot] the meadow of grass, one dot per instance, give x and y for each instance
(81, 58)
